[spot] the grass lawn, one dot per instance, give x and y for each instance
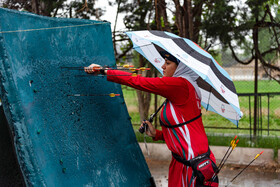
(263, 86)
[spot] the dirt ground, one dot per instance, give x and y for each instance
(258, 176)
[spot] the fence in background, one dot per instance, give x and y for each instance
(268, 113)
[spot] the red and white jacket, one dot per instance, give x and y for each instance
(182, 105)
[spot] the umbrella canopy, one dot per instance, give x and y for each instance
(218, 92)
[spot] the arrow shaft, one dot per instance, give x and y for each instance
(220, 167)
(245, 168)
(81, 95)
(242, 170)
(101, 68)
(98, 75)
(225, 160)
(224, 156)
(221, 164)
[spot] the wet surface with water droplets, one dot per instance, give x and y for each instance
(257, 176)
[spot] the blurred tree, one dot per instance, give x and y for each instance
(233, 24)
(57, 8)
(252, 27)
(137, 15)
(153, 14)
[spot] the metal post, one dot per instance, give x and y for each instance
(260, 116)
(255, 38)
(268, 114)
(250, 117)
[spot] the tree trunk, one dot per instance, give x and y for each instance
(115, 26)
(185, 21)
(35, 6)
(190, 19)
(163, 14)
(144, 98)
(197, 13)
(178, 17)
(158, 21)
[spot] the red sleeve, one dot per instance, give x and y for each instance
(168, 87)
(159, 136)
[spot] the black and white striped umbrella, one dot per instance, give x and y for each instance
(218, 92)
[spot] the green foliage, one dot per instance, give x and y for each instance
(136, 13)
(224, 21)
(85, 12)
(257, 7)
(218, 20)
(58, 8)
(162, 22)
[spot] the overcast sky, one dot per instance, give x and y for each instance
(110, 14)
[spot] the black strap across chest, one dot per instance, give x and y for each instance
(180, 124)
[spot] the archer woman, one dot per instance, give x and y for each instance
(180, 118)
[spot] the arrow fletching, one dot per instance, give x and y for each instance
(233, 141)
(233, 147)
(143, 69)
(132, 69)
(114, 95)
(258, 155)
(127, 66)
